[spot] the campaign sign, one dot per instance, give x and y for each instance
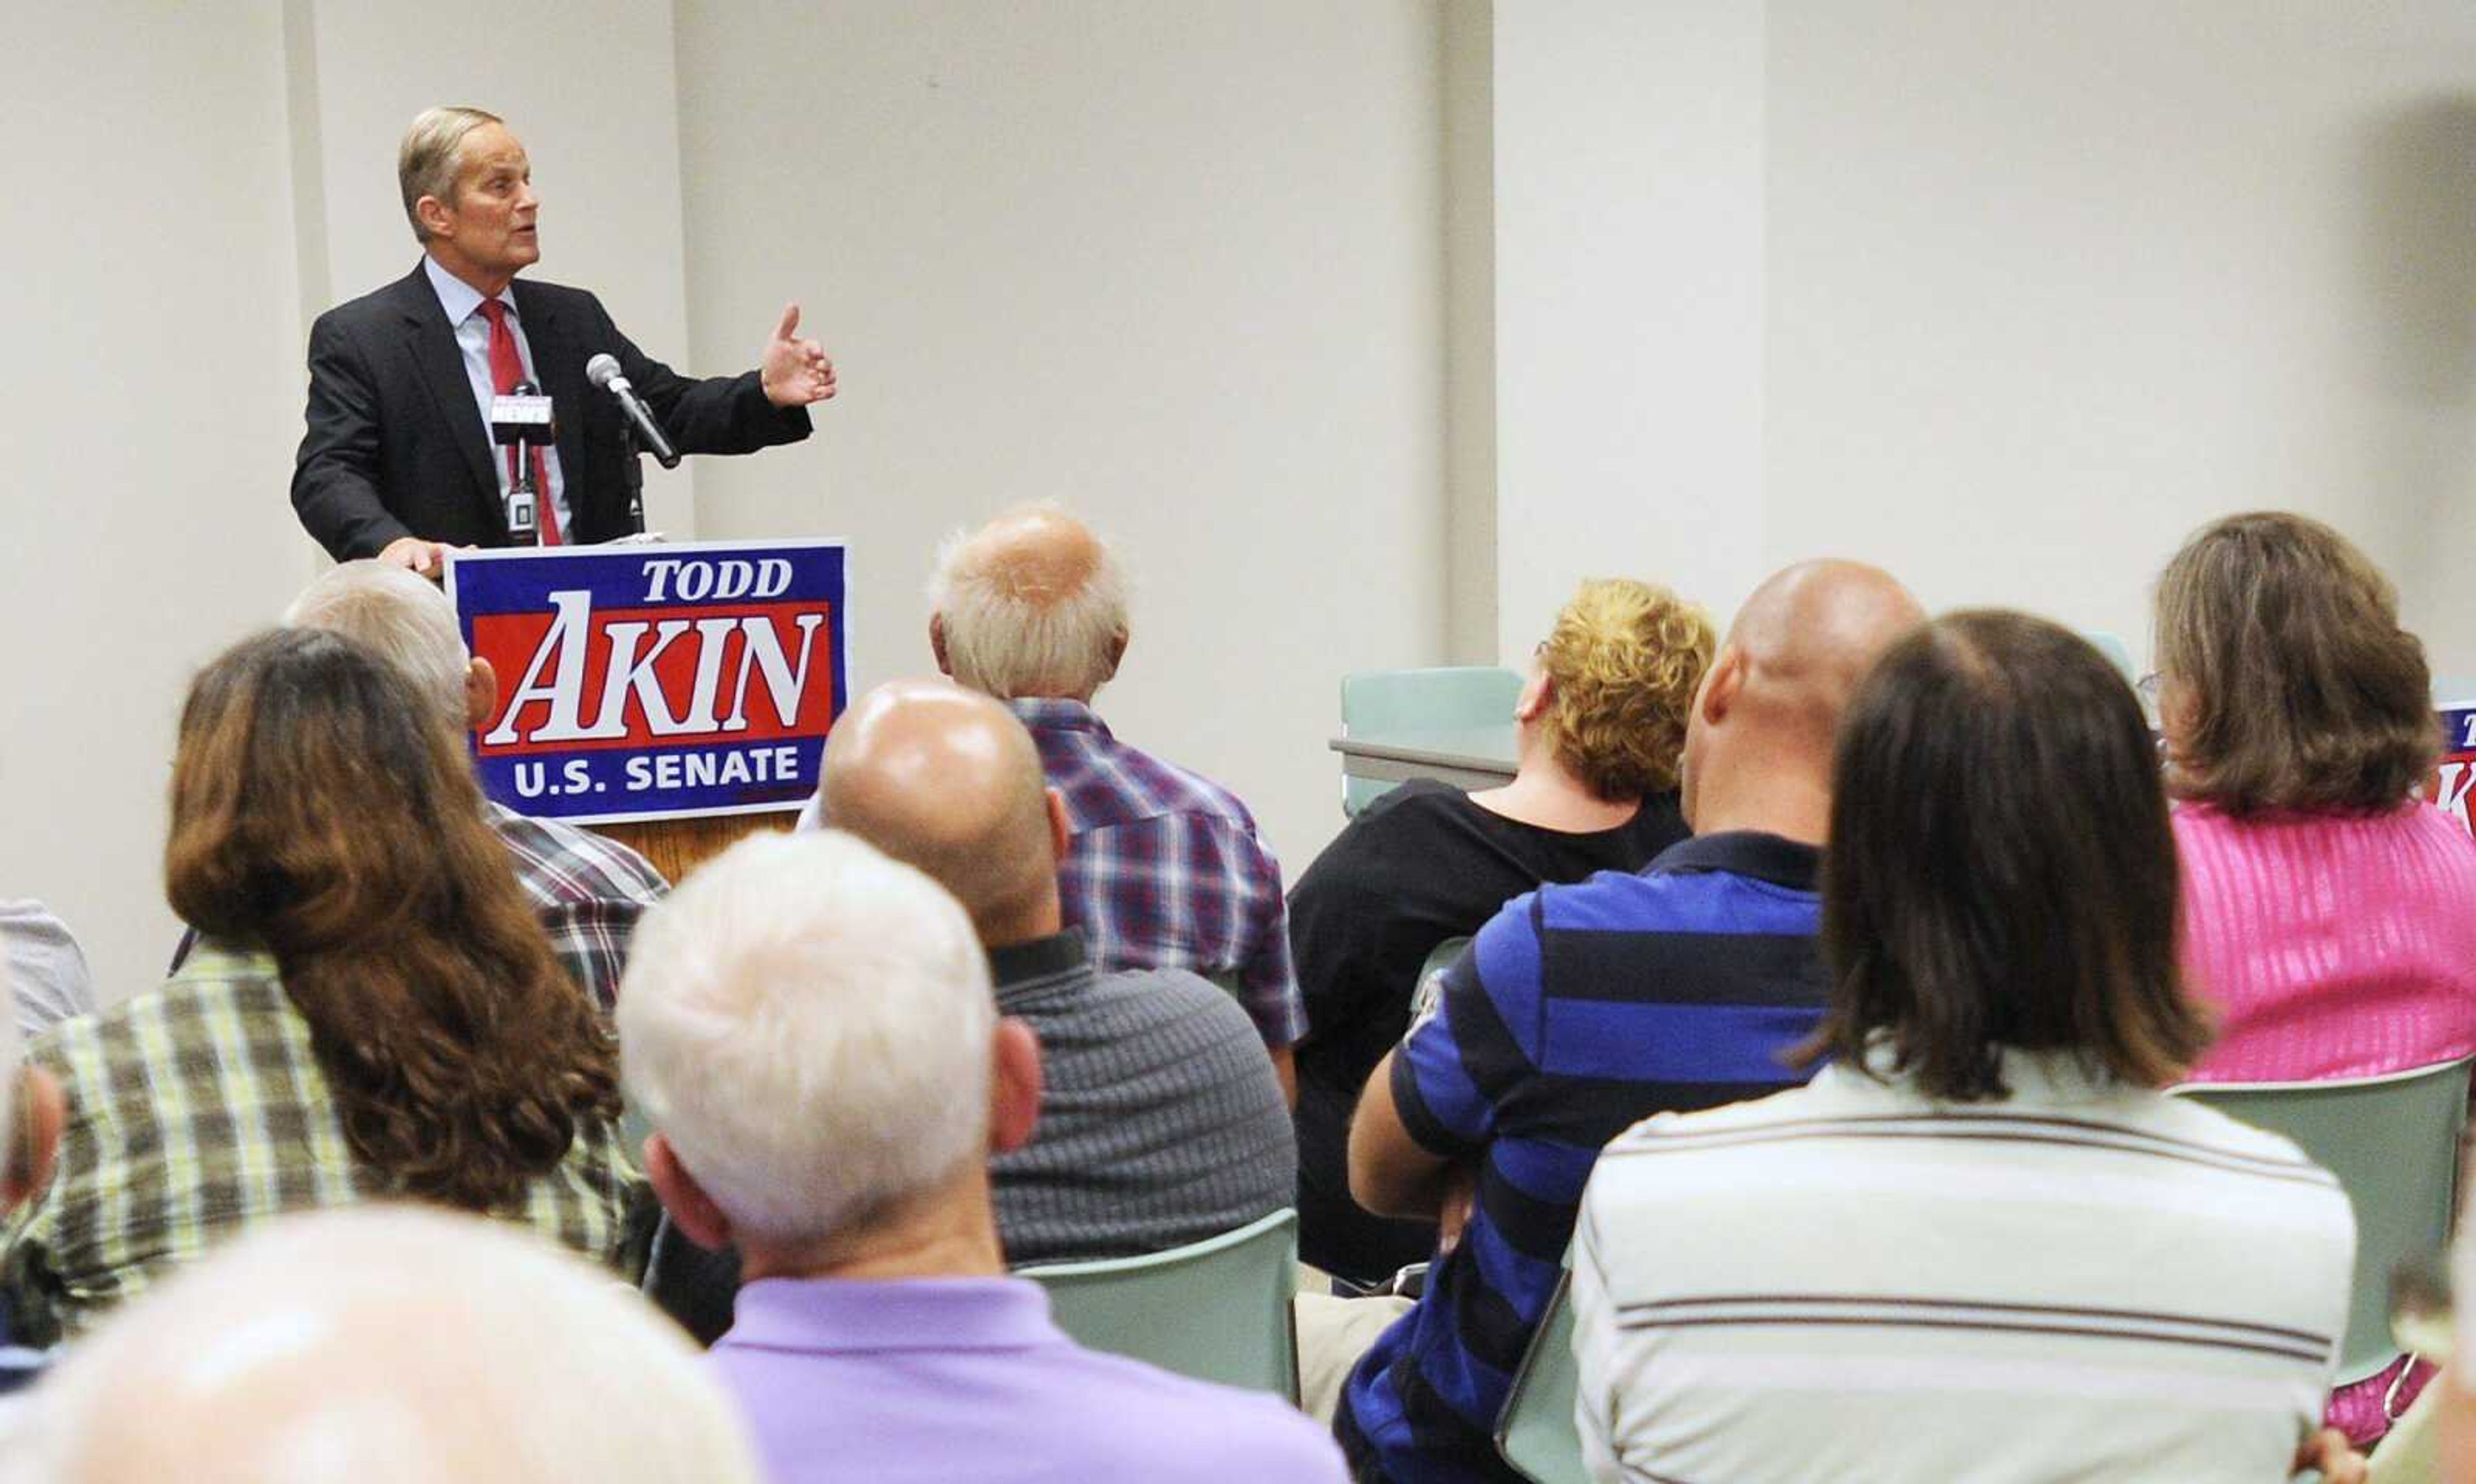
(2450, 781)
(655, 681)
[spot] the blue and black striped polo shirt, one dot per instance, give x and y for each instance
(1578, 1011)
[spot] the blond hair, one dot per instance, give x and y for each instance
(1623, 661)
(432, 153)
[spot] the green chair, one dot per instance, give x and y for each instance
(1444, 955)
(1536, 1432)
(2393, 1141)
(1433, 700)
(1217, 1310)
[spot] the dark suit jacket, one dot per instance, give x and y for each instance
(395, 446)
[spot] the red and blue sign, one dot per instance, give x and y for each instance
(655, 681)
(2451, 782)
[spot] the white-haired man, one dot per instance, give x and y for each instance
(387, 1344)
(587, 889)
(811, 1027)
(1165, 870)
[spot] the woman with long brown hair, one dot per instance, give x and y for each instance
(373, 1012)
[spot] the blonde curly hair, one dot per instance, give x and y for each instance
(1623, 661)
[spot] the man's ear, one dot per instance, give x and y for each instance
(1061, 837)
(434, 218)
(1117, 654)
(691, 1209)
(937, 644)
(1014, 1086)
(480, 694)
(41, 1111)
(1719, 688)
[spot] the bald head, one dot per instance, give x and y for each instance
(373, 1345)
(1759, 744)
(946, 779)
(1032, 604)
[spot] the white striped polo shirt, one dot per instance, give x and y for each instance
(1850, 1282)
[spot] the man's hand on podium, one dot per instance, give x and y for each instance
(426, 558)
(793, 372)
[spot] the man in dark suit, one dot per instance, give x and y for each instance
(397, 461)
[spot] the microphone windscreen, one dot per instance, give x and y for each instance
(603, 369)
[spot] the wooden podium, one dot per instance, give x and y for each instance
(679, 846)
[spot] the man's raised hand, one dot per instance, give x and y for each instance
(793, 372)
(423, 559)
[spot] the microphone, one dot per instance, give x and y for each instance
(604, 371)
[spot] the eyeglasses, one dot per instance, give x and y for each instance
(2148, 690)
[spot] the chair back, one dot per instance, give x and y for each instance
(1536, 1431)
(1430, 986)
(2393, 1141)
(1217, 1310)
(1438, 699)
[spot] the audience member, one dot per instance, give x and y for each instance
(586, 888)
(2038, 1266)
(1582, 1008)
(1599, 731)
(53, 981)
(30, 1134)
(1160, 1121)
(811, 1027)
(2329, 917)
(1164, 870)
(372, 1011)
(388, 1346)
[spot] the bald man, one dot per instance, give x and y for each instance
(1160, 1120)
(378, 1344)
(1581, 1011)
(1163, 867)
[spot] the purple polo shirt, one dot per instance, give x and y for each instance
(966, 1378)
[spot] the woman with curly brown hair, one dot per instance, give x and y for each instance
(1598, 731)
(373, 1013)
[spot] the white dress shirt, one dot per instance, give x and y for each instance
(462, 303)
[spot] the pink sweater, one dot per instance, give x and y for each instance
(2330, 946)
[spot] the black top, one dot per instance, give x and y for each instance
(1422, 864)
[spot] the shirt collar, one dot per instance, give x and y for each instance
(210, 958)
(1765, 858)
(1041, 958)
(458, 298)
(2037, 1080)
(1057, 713)
(852, 1316)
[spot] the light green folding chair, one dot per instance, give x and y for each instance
(2394, 1143)
(1217, 1310)
(1433, 700)
(1536, 1431)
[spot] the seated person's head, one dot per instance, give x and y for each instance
(321, 813)
(947, 779)
(1758, 746)
(386, 1345)
(2285, 680)
(2001, 874)
(408, 621)
(810, 1026)
(1613, 685)
(1033, 604)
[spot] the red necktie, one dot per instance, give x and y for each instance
(507, 369)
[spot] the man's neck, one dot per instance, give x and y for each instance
(951, 1232)
(1791, 801)
(490, 286)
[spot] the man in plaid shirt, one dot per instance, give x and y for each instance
(587, 889)
(1164, 870)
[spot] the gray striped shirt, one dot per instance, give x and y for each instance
(2082, 1281)
(1161, 1122)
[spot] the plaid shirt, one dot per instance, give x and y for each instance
(197, 1112)
(588, 890)
(1164, 870)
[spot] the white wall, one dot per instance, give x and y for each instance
(2007, 296)
(1175, 265)
(148, 291)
